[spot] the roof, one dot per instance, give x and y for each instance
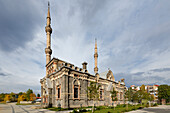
(80, 70)
(58, 60)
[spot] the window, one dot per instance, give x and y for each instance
(58, 92)
(75, 75)
(121, 96)
(101, 94)
(75, 91)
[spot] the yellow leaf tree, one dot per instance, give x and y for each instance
(32, 97)
(21, 98)
(7, 98)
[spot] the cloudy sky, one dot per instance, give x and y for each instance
(133, 39)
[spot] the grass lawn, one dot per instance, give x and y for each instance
(118, 109)
(102, 109)
(58, 109)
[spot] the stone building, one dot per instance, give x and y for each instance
(65, 85)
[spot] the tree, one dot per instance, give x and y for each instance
(129, 94)
(142, 88)
(136, 96)
(141, 94)
(151, 97)
(20, 93)
(38, 95)
(164, 93)
(12, 96)
(2, 96)
(21, 98)
(7, 98)
(29, 91)
(32, 97)
(113, 94)
(93, 91)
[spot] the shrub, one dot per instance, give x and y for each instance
(83, 110)
(147, 105)
(124, 105)
(75, 111)
(118, 106)
(140, 107)
(155, 104)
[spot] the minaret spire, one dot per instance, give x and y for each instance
(95, 58)
(48, 14)
(48, 31)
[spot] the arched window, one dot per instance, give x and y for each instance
(76, 89)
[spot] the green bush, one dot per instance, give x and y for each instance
(141, 107)
(124, 105)
(101, 107)
(75, 111)
(83, 110)
(147, 105)
(155, 104)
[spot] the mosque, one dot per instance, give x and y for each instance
(66, 85)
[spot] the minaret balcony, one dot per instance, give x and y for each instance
(48, 51)
(96, 69)
(48, 29)
(95, 55)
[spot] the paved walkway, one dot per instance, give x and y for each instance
(158, 109)
(13, 108)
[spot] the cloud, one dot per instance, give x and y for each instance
(161, 70)
(19, 21)
(154, 76)
(3, 74)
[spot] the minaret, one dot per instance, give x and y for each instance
(48, 31)
(95, 58)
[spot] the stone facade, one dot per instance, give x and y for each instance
(65, 85)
